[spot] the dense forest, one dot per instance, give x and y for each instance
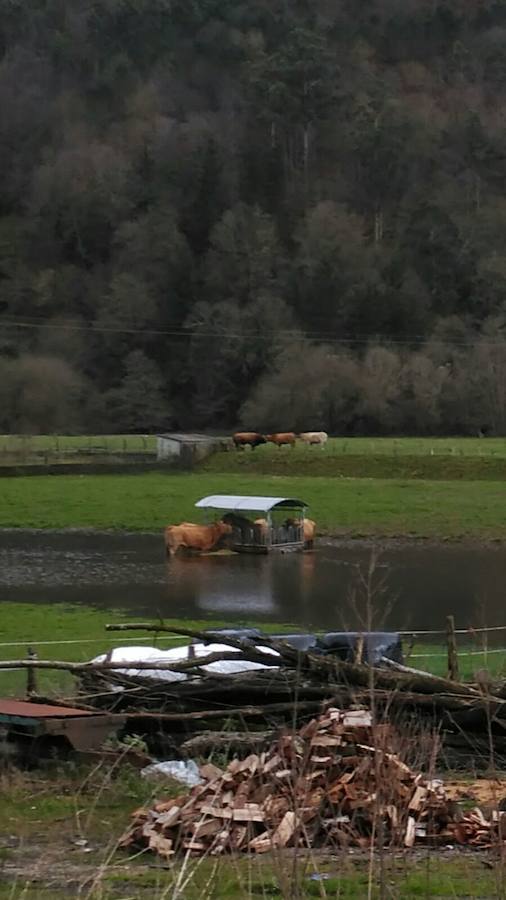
(269, 213)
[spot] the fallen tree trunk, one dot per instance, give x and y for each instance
(210, 741)
(289, 686)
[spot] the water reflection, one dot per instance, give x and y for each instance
(219, 585)
(323, 589)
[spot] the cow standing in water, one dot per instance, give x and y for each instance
(189, 536)
(244, 438)
(314, 437)
(282, 438)
(309, 527)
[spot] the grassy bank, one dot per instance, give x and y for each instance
(340, 506)
(427, 458)
(27, 444)
(70, 633)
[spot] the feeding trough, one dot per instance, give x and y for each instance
(260, 524)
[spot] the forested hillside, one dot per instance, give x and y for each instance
(271, 213)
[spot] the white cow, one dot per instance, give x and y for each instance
(314, 437)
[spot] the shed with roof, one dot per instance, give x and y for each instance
(260, 524)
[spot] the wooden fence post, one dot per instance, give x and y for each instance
(31, 675)
(453, 657)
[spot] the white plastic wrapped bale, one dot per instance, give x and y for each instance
(180, 654)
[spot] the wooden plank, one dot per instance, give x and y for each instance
(410, 833)
(210, 772)
(417, 799)
(326, 740)
(161, 845)
(169, 818)
(284, 832)
(262, 843)
(250, 813)
(219, 812)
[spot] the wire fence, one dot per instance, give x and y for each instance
(430, 650)
(26, 445)
(50, 447)
(458, 447)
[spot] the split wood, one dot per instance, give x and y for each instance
(330, 784)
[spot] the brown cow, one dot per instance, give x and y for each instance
(284, 437)
(194, 537)
(261, 528)
(309, 530)
(243, 438)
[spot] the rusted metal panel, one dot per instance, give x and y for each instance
(84, 729)
(40, 710)
(82, 733)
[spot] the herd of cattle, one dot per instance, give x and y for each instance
(253, 439)
(204, 538)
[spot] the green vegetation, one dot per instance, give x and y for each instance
(340, 506)
(470, 459)
(75, 634)
(248, 879)
(432, 657)
(310, 220)
(396, 447)
(50, 450)
(28, 444)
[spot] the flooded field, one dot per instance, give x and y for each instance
(414, 586)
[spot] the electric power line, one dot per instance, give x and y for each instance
(314, 337)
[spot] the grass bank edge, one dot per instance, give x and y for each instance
(342, 507)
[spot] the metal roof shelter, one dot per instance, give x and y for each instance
(237, 503)
(266, 534)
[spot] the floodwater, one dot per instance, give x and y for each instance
(412, 585)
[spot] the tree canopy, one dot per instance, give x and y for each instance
(216, 213)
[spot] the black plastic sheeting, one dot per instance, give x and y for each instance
(343, 644)
(376, 644)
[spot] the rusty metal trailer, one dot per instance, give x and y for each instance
(39, 727)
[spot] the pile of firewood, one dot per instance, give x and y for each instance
(475, 829)
(335, 782)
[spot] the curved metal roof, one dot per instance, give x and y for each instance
(234, 502)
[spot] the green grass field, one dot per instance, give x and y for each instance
(340, 506)
(41, 443)
(75, 634)
(427, 458)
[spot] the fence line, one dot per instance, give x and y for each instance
(413, 633)
(76, 641)
(461, 653)
(469, 631)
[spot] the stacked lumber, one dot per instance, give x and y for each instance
(475, 829)
(333, 783)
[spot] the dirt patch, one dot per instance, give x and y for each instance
(490, 792)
